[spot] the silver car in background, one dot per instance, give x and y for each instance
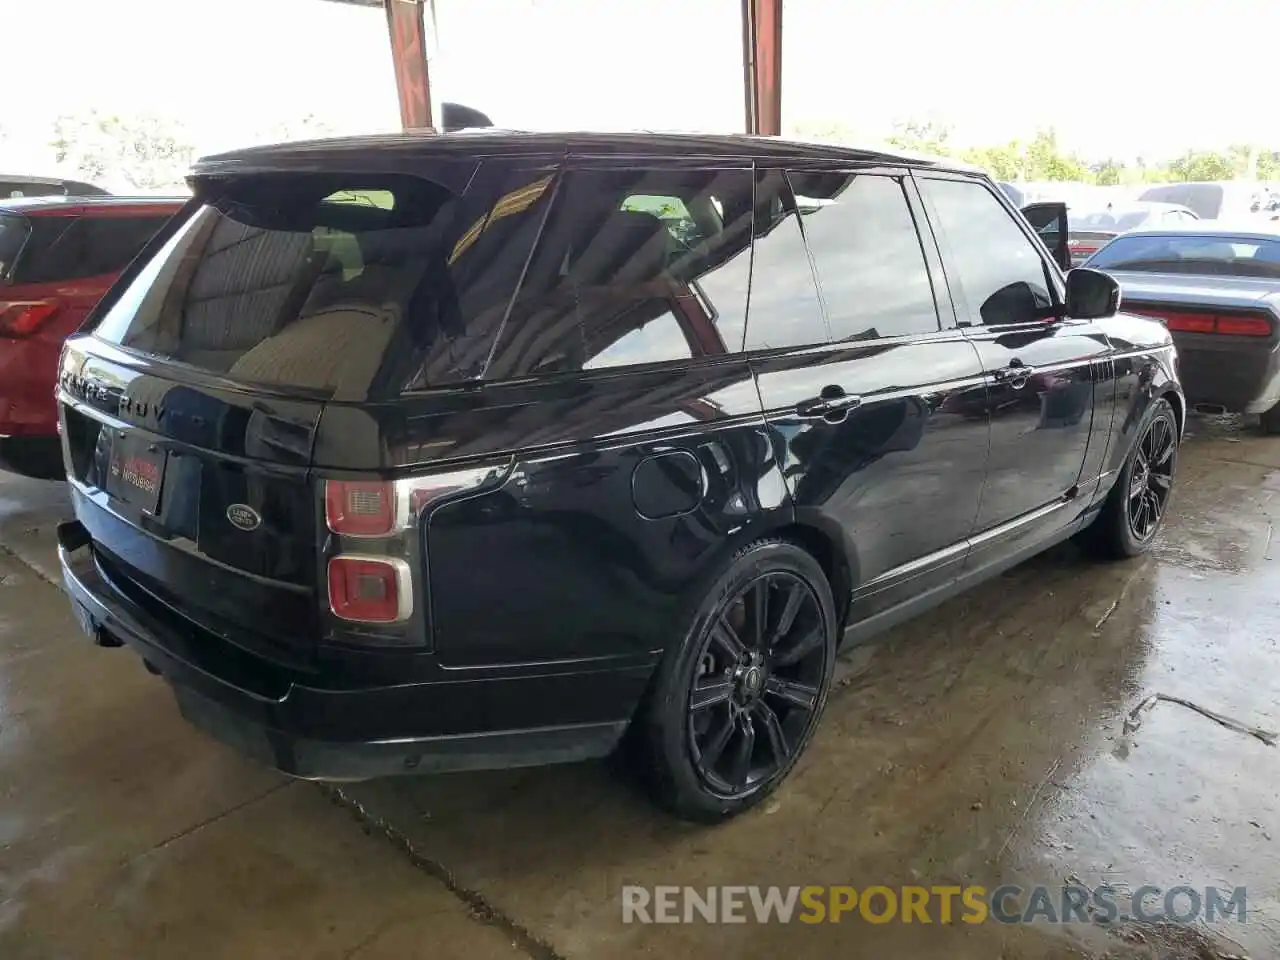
(1217, 288)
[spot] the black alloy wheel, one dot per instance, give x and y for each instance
(1151, 479)
(1138, 502)
(756, 689)
(738, 697)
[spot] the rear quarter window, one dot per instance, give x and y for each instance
(634, 267)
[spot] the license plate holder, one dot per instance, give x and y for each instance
(136, 472)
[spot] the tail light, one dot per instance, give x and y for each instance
(370, 589)
(1226, 324)
(361, 508)
(377, 588)
(22, 318)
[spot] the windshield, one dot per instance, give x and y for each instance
(1209, 255)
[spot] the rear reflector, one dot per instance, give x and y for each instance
(360, 508)
(1226, 324)
(370, 589)
(24, 317)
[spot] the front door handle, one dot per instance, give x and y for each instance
(832, 405)
(1016, 374)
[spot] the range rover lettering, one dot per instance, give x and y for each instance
(415, 454)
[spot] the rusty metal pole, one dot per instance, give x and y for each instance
(762, 65)
(406, 23)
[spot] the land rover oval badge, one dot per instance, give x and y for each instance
(243, 517)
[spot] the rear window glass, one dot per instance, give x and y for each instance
(72, 248)
(13, 234)
(1210, 255)
(350, 288)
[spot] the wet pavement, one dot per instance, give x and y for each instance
(1007, 737)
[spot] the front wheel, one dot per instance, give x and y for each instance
(737, 701)
(1135, 508)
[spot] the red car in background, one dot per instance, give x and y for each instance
(58, 256)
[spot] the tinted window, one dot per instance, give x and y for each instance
(66, 248)
(21, 188)
(785, 310)
(632, 267)
(1210, 255)
(870, 265)
(13, 234)
(991, 264)
(349, 287)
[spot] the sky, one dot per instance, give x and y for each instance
(1121, 79)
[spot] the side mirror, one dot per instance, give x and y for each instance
(1049, 220)
(1091, 294)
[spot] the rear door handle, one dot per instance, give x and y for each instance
(833, 405)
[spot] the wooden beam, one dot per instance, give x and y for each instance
(762, 65)
(406, 24)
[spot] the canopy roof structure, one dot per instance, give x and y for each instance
(761, 62)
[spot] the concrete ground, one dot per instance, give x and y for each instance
(985, 743)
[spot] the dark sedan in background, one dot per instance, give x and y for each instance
(1217, 289)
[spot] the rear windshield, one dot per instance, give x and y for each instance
(1210, 255)
(72, 248)
(13, 234)
(335, 284)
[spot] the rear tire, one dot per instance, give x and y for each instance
(1270, 421)
(737, 700)
(1136, 507)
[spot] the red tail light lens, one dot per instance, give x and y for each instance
(1190, 322)
(1244, 326)
(360, 508)
(1227, 324)
(24, 317)
(370, 589)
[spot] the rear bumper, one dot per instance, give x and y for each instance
(251, 705)
(1238, 373)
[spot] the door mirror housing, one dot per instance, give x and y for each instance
(1049, 220)
(1091, 294)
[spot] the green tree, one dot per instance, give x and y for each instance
(1045, 161)
(1003, 163)
(1202, 165)
(147, 152)
(1108, 173)
(921, 136)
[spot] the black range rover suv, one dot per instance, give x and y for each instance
(444, 452)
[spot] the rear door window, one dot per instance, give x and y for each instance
(72, 248)
(346, 285)
(633, 267)
(871, 268)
